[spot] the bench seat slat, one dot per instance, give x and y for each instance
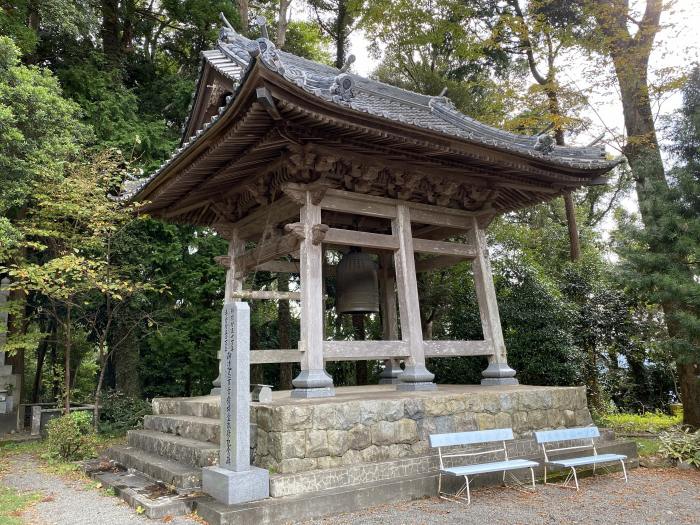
(471, 438)
(483, 468)
(587, 460)
(566, 434)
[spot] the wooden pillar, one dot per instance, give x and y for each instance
(498, 372)
(236, 247)
(312, 381)
(390, 323)
(416, 376)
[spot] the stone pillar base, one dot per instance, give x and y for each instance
(416, 378)
(231, 487)
(498, 374)
(413, 387)
(313, 383)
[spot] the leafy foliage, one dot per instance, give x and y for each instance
(71, 437)
(121, 412)
(681, 446)
(652, 422)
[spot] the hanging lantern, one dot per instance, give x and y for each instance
(357, 289)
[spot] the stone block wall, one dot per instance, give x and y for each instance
(303, 437)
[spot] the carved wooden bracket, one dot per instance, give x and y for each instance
(223, 260)
(295, 228)
(318, 233)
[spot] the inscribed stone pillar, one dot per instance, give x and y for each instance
(498, 372)
(312, 381)
(236, 247)
(390, 329)
(415, 376)
(234, 480)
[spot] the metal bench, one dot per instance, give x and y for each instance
(587, 434)
(481, 437)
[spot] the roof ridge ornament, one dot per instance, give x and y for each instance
(341, 89)
(544, 144)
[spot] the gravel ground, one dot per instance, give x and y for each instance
(658, 496)
(651, 497)
(69, 501)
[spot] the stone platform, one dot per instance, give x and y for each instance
(363, 438)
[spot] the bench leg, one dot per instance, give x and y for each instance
(545, 474)
(532, 475)
(469, 495)
(440, 484)
(573, 470)
(624, 470)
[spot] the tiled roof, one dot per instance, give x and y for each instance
(235, 55)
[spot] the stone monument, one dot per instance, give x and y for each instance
(234, 480)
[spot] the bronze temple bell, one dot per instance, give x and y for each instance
(357, 289)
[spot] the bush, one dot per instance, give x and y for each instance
(120, 412)
(653, 422)
(71, 436)
(681, 446)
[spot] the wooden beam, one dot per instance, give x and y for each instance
(358, 204)
(457, 348)
(258, 357)
(359, 350)
(436, 263)
(267, 294)
(441, 216)
(376, 241)
(443, 248)
(268, 250)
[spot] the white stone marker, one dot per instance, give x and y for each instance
(234, 480)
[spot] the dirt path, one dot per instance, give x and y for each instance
(68, 501)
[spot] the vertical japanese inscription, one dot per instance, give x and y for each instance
(235, 387)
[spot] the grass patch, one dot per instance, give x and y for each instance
(13, 502)
(652, 422)
(647, 447)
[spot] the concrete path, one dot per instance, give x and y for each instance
(654, 497)
(70, 501)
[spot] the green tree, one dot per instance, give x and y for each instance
(662, 254)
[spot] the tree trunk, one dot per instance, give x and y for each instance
(40, 358)
(67, 352)
(574, 242)
(358, 325)
(243, 14)
(341, 33)
(109, 31)
(282, 22)
(126, 360)
(689, 379)
(284, 322)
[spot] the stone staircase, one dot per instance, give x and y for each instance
(180, 438)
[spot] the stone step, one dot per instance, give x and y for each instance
(186, 451)
(183, 477)
(192, 427)
(205, 406)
